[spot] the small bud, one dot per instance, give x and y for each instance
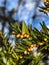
(18, 35)
(32, 45)
(30, 38)
(45, 39)
(31, 49)
(25, 52)
(28, 49)
(21, 36)
(20, 57)
(27, 36)
(13, 32)
(40, 43)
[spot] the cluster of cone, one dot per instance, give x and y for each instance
(30, 49)
(22, 35)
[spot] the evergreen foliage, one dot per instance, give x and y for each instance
(31, 45)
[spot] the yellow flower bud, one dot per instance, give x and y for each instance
(20, 57)
(13, 32)
(41, 43)
(32, 45)
(27, 36)
(28, 49)
(21, 36)
(18, 35)
(25, 52)
(31, 49)
(30, 38)
(45, 39)
(23, 33)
